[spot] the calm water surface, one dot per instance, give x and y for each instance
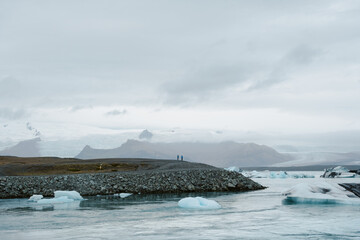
(251, 215)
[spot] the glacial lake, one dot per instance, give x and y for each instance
(251, 215)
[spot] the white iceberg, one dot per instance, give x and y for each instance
(122, 195)
(63, 199)
(70, 194)
(338, 172)
(35, 198)
(278, 174)
(301, 175)
(320, 193)
(198, 203)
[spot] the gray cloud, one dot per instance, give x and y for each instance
(13, 114)
(223, 54)
(116, 112)
(79, 107)
(295, 59)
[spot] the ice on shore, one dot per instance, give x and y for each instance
(320, 193)
(198, 203)
(122, 195)
(35, 198)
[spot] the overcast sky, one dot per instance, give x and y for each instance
(264, 66)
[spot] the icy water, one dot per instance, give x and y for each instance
(252, 215)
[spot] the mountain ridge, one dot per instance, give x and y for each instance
(218, 154)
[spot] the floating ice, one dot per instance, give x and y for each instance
(70, 194)
(35, 198)
(338, 172)
(122, 195)
(63, 199)
(320, 193)
(279, 174)
(198, 203)
(60, 197)
(301, 175)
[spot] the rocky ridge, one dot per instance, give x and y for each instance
(162, 181)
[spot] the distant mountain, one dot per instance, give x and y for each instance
(27, 148)
(145, 135)
(222, 154)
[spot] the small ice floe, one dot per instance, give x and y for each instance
(69, 194)
(61, 197)
(35, 198)
(198, 203)
(301, 175)
(122, 195)
(320, 193)
(338, 172)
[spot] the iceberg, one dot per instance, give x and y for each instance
(319, 193)
(338, 172)
(60, 197)
(63, 199)
(35, 198)
(301, 175)
(69, 194)
(122, 195)
(198, 203)
(279, 174)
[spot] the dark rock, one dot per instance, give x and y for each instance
(175, 181)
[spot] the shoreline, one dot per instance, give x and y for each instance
(143, 182)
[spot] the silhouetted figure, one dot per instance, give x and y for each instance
(177, 157)
(182, 158)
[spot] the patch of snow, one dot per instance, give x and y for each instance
(320, 193)
(198, 203)
(35, 198)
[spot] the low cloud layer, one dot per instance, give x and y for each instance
(298, 58)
